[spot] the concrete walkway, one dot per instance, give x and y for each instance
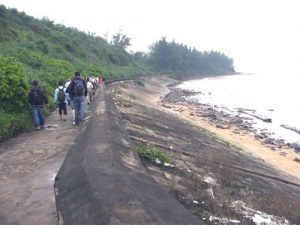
(102, 180)
(28, 165)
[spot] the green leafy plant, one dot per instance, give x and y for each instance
(153, 153)
(14, 85)
(14, 123)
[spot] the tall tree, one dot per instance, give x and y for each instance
(120, 40)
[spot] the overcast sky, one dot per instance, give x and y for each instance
(261, 35)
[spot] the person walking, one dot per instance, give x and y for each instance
(60, 97)
(90, 89)
(37, 99)
(69, 97)
(78, 92)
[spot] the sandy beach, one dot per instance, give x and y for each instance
(156, 88)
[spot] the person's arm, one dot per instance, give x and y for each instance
(29, 98)
(67, 98)
(55, 95)
(70, 89)
(85, 88)
(44, 96)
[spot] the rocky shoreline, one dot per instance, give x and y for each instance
(210, 176)
(241, 123)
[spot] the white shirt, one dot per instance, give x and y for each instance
(89, 85)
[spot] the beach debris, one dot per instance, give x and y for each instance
(257, 116)
(297, 160)
(169, 165)
(243, 120)
(210, 180)
(295, 129)
(211, 193)
(223, 220)
(223, 126)
(258, 217)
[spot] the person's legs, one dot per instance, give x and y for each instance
(41, 115)
(72, 107)
(82, 108)
(76, 104)
(64, 108)
(35, 114)
(60, 108)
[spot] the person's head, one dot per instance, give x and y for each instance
(61, 83)
(88, 79)
(77, 74)
(35, 83)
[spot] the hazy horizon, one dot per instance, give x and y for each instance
(258, 35)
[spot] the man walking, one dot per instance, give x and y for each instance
(37, 99)
(78, 92)
(60, 97)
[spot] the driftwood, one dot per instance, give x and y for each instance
(260, 117)
(290, 128)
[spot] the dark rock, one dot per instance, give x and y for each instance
(296, 146)
(222, 126)
(297, 160)
(259, 136)
(270, 141)
(267, 120)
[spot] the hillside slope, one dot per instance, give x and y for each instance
(40, 49)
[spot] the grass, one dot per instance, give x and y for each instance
(153, 153)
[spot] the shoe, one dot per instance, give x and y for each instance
(42, 126)
(75, 124)
(37, 128)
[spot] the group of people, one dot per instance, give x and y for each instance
(75, 92)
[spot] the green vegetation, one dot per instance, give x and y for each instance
(184, 62)
(40, 49)
(14, 110)
(153, 153)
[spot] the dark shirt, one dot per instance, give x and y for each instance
(36, 96)
(70, 89)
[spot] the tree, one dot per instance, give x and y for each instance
(120, 40)
(180, 60)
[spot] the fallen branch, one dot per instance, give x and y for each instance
(290, 128)
(260, 117)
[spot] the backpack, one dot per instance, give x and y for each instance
(78, 87)
(61, 95)
(36, 97)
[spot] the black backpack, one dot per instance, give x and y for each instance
(61, 95)
(36, 97)
(78, 87)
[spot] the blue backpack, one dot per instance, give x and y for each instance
(78, 87)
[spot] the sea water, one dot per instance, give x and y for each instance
(269, 95)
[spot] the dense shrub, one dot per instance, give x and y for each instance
(14, 86)
(14, 123)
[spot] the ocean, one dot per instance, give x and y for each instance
(274, 96)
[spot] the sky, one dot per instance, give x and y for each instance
(260, 35)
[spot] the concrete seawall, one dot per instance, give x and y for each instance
(103, 182)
